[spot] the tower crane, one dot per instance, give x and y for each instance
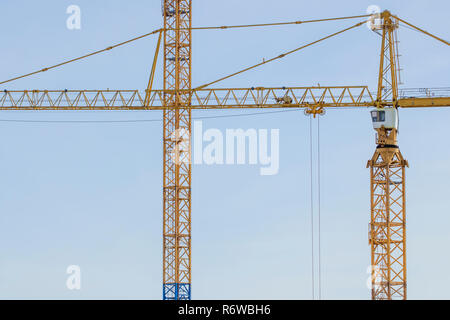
(178, 98)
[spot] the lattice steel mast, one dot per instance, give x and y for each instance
(177, 150)
(387, 178)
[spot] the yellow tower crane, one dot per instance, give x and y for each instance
(387, 236)
(177, 99)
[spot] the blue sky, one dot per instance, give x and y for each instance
(90, 194)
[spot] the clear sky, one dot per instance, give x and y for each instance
(90, 194)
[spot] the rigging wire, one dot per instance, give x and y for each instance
(159, 120)
(161, 30)
(315, 253)
(277, 23)
(280, 56)
(423, 31)
(318, 208)
(145, 120)
(408, 27)
(82, 57)
(311, 206)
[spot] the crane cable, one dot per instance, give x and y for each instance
(162, 29)
(280, 56)
(157, 120)
(82, 57)
(423, 31)
(222, 28)
(318, 208)
(277, 23)
(313, 282)
(147, 120)
(319, 262)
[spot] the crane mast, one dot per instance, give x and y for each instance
(177, 150)
(387, 235)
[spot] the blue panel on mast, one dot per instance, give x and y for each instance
(177, 291)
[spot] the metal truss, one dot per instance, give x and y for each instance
(387, 237)
(235, 98)
(176, 100)
(259, 97)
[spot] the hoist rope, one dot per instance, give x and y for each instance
(311, 206)
(318, 208)
(315, 254)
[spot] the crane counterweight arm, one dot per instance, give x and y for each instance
(424, 102)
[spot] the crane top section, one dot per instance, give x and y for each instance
(313, 99)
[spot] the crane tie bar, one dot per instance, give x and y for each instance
(421, 30)
(228, 27)
(278, 23)
(160, 30)
(280, 56)
(83, 57)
